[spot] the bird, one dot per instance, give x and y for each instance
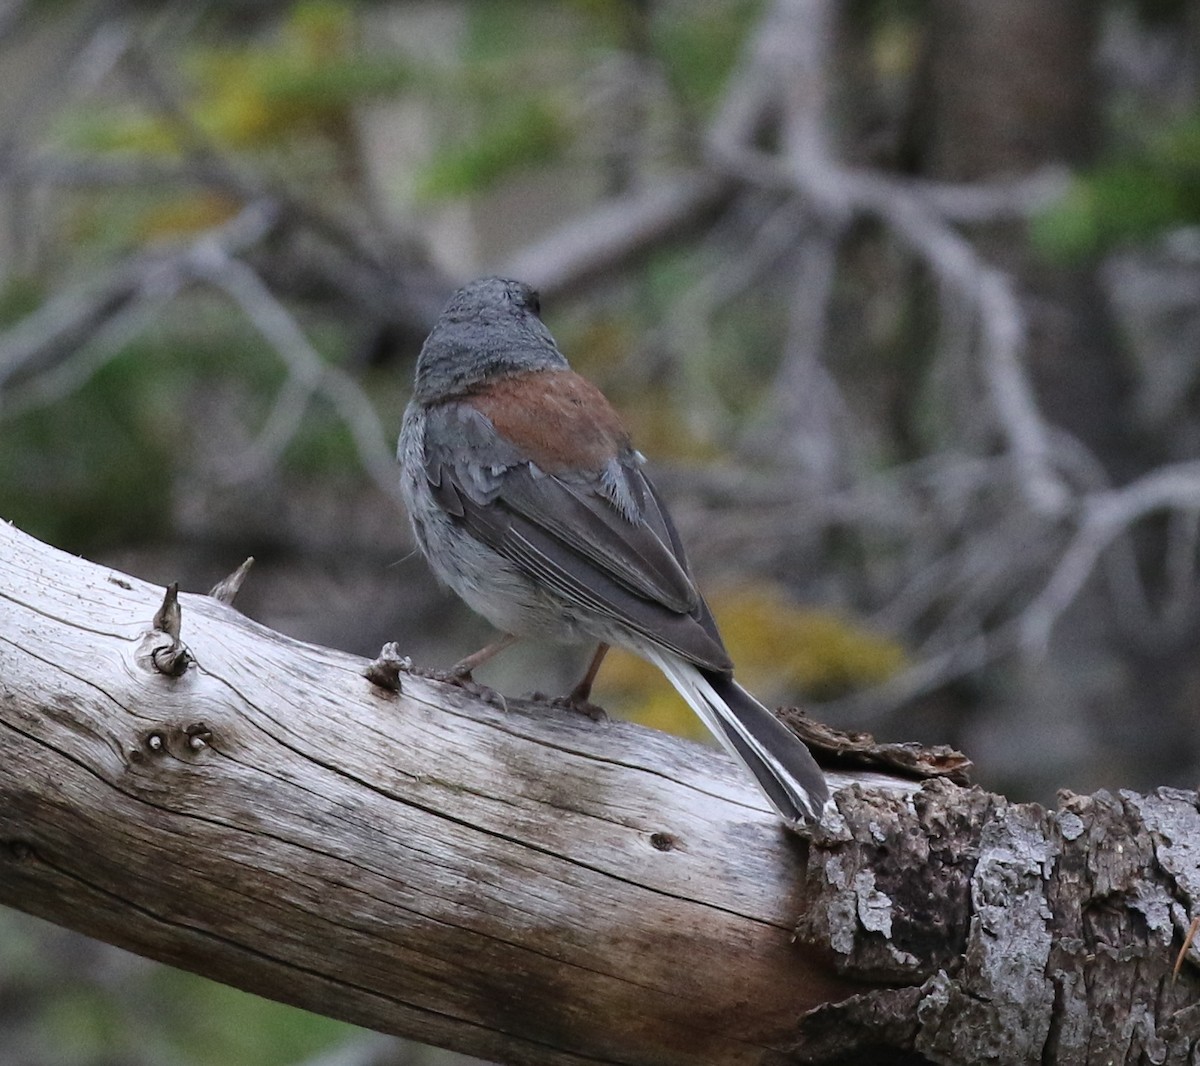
(528, 499)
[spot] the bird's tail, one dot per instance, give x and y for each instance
(779, 760)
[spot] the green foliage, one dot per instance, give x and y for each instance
(18, 297)
(300, 83)
(78, 1022)
(94, 468)
(284, 99)
(98, 467)
(528, 133)
(212, 1024)
(141, 1012)
(520, 85)
(507, 32)
(337, 85)
(700, 46)
(273, 92)
(509, 97)
(696, 43)
(516, 96)
(615, 20)
(1133, 198)
(322, 448)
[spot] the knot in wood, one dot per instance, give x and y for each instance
(171, 659)
(160, 653)
(199, 736)
(19, 850)
(180, 741)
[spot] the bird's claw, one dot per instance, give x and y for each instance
(462, 679)
(571, 702)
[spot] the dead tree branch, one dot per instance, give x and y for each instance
(308, 374)
(518, 884)
(605, 239)
(531, 886)
(1106, 517)
(57, 348)
(788, 63)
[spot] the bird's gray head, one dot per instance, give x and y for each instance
(490, 328)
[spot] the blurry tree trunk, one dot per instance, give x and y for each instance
(1010, 90)
(524, 884)
(1010, 86)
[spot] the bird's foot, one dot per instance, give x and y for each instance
(458, 676)
(574, 702)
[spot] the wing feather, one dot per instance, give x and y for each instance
(600, 540)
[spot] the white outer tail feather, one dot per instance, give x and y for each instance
(712, 710)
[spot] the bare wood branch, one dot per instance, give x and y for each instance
(532, 886)
(790, 52)
(813, 419)
(1106, 516)
(308, 373)
(520, 885)
(618, 230)
(980, 202)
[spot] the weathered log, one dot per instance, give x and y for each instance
(528, 885)
(523, 883)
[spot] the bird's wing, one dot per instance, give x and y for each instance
(596, 534)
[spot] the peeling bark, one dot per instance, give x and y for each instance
(1034, 935)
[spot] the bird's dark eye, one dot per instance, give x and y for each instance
(533, 301)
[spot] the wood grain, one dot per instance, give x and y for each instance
(523, 884)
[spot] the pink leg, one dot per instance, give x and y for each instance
(464, 667)
(580, 693)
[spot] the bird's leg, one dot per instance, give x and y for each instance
(581, 692)
(460, 673)
(465, 667)
(577, 698)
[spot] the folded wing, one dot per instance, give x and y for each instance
(599, 538)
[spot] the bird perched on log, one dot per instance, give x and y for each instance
(529, 500)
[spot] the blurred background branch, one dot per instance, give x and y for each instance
(901, 298)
